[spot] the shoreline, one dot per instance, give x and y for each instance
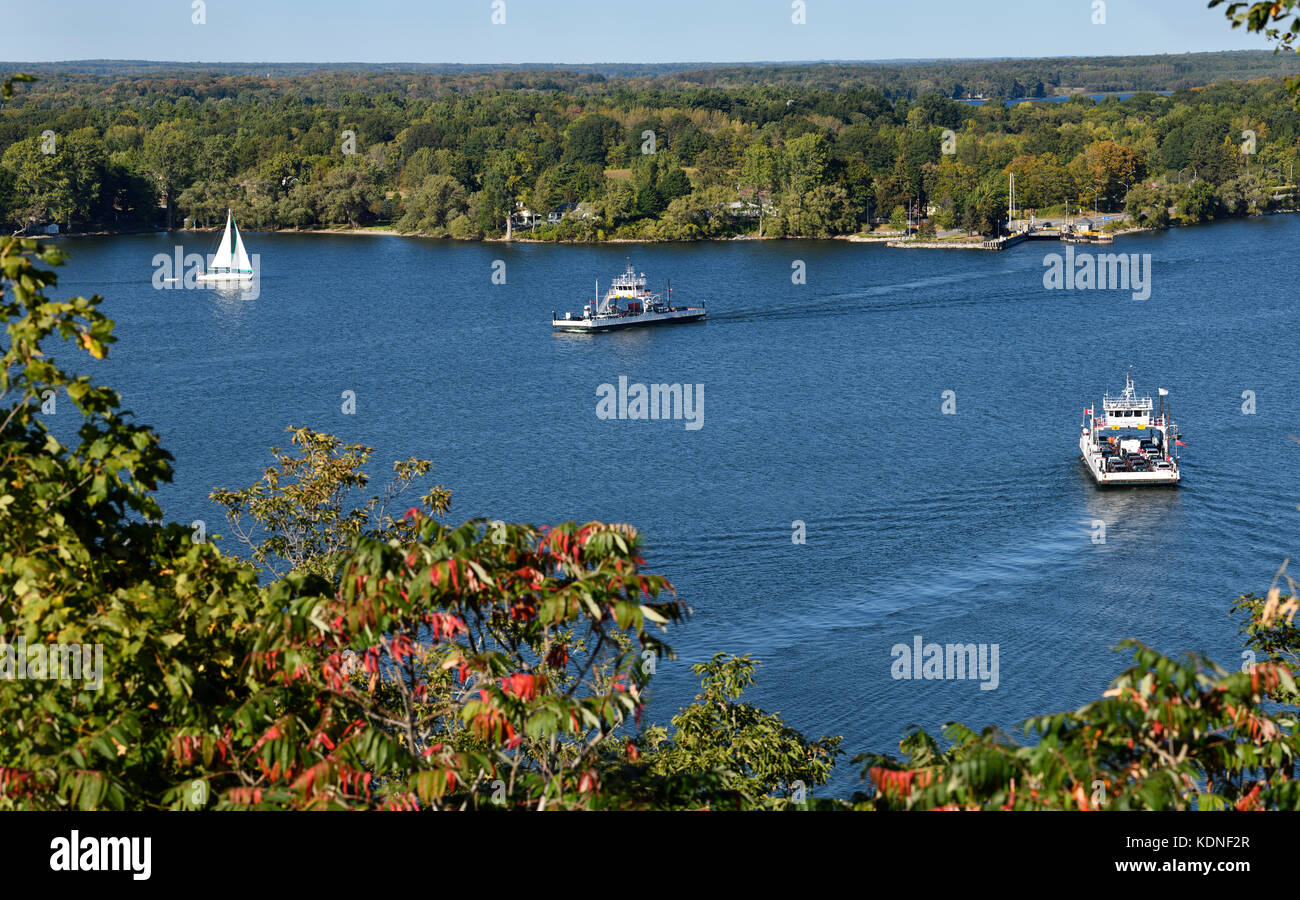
(891, 239)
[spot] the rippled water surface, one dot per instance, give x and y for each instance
(822, 404)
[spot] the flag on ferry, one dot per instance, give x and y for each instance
(1180, 443)
(1087, 412)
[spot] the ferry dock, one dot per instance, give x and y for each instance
(1066, 234)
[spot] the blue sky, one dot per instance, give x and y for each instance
(577, 31)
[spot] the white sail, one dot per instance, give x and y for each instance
(222, 259)
(231, 259)
(241, 262)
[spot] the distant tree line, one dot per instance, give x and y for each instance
(954, 78)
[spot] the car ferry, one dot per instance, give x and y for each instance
(1130, 442)
(627, 304)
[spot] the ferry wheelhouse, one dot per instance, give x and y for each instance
(627, 304)
(1131, 442)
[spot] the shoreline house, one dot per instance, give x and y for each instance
(36, 225)
(556, 216)
(530, 218)
(524, 216)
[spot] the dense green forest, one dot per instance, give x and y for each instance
(791, 150)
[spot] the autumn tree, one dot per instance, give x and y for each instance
(1109, 169)
(302, 514)
(1169, 734)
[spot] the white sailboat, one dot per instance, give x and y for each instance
(231, 262)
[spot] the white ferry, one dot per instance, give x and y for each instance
(640, 306)
(1128, 443)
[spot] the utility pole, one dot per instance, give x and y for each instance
(1011, 200)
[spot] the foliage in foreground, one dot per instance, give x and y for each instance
(299, 518)
(754, 752)
(1269, 18)
(421, 666)
(1167, 735)
(448, 668)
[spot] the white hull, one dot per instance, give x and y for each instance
(1096, 464)
(1129, 442)
(225, 277)
(610, 323)
(627, 304)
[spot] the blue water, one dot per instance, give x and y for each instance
(822, 404)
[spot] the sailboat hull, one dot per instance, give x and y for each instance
(225, 276)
